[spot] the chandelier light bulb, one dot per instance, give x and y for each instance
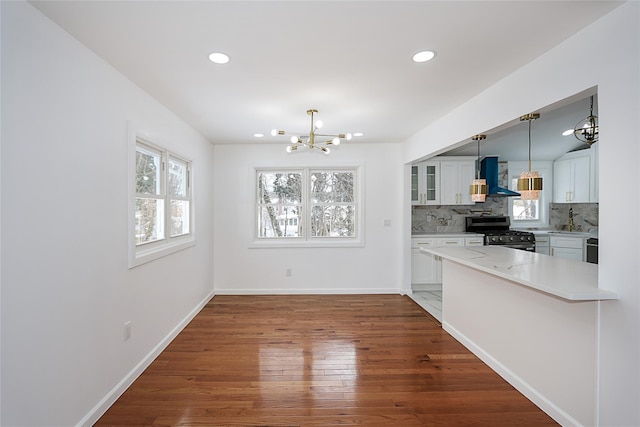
(289, 148)
(295, 140)
(318, 124)
(335, 141)
(349, 136)
(274, 132)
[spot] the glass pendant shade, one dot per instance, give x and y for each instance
(529, 185)
(478, 190)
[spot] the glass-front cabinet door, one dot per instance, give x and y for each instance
(425, 183)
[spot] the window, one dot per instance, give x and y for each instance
(524, 210)
(162, 203)
(309, 206)
(530, 213)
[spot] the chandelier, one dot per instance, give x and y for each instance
(478, 187)
(587, 129)
(309, 140)
(530, 182)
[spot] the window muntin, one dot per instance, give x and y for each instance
(307, 204)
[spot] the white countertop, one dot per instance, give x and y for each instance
(567, 279)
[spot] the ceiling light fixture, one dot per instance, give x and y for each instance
(310, 139)
(218, 58)
(587, 129)
(478, 188)
(530, 182)
(424, 56)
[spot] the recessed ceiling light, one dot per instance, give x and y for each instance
(424, 56)
(258, 135)
(567, 132)
(218, 58)
(358, 134)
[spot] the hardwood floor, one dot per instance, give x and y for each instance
(321, 360)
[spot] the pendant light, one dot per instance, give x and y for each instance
(478, 187)
(530, 182)
(587, 129)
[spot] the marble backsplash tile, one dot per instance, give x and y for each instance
(440, 219)
(585, 216)
(432, 219)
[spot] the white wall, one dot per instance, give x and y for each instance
(614, 42)
(66, 289)
(374, 268)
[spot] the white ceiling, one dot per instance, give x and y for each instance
(351, 60)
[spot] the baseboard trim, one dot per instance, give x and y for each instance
(522, 386)
(323, 291)
(113, 395)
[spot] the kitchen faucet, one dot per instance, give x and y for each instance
(570, 227)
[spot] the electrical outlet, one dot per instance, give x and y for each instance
(127, 330)
(288, 272)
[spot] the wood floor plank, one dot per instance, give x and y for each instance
(319, 360)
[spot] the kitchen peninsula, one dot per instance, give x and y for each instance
(532, 318)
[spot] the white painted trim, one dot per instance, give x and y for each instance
(522, 386)
(322, 291)
(109, 399)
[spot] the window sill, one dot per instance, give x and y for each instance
(144, 255)
(299, 243)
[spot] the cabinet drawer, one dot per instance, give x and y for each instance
(474, 241)
(450, 241)
(567, 242)
(423, 243)
(542, 240)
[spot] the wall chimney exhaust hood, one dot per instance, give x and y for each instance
(489, 171)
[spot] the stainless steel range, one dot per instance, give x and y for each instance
(496, 232)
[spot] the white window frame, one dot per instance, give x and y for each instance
(306, 240)
(145, 252)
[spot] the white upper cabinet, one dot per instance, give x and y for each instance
(575, 177)
(455, 178)
(425, 183)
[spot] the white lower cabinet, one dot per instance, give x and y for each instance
(426, 269)
(542, 244)
(567, 247)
